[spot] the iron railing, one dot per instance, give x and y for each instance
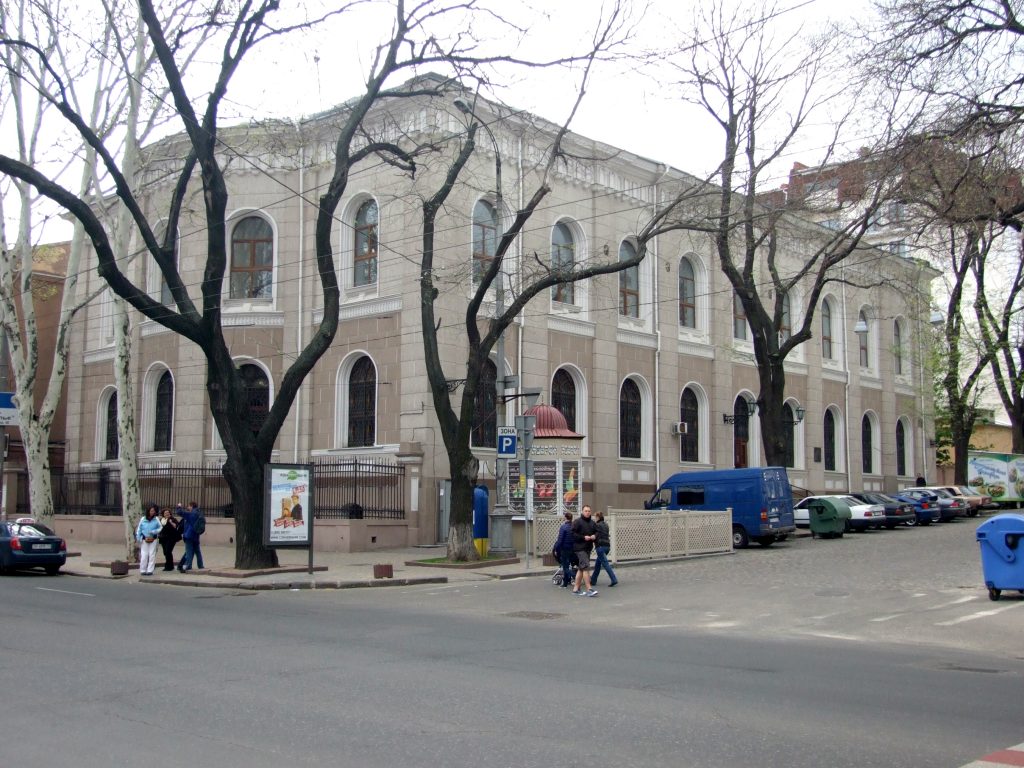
(348, 488)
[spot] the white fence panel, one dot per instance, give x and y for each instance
(650, 535)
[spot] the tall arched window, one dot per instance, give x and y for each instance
(257, 391)
(629, 283)
(563, 259)
(826, 330)
(485, 238)
(830, 441)
(163, 413)
(897, 348)
(563, 396)
(111, 446)
(866, 445)
(687, 294)
(630, 420)
(362, 403)
(864, 340)
(785, 322)
(364, 258)
(788, 436)
(689, 414)
(485, 412)
(739, 318)
(901, 449)
(252, 259)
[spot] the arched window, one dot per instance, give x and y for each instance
(630, 420)
(826, 330)
(362, 403)
(563, 396)
(901, 449)
(629, 283)
(252, 259)
(689, 414)
(741, 432)
(485, 411)
(111, 447)
(788, 436)
(864, 340)
(485, 238)
(687, 294)
(563, 259)
(364, 259)
(867, 445)
(830, 441)
(739, 318)
(897, 348)
(785, 323)
(257, 391)
(163, 413)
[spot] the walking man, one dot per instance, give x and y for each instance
(584, 534)
(194, 526)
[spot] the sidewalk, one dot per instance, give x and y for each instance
(332, 570)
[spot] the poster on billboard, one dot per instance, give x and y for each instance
(999, 475)
(288, 505)
(571, 487)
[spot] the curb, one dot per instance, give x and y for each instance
(269, 586)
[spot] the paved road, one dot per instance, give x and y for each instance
(671, 668)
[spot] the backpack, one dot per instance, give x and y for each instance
(199, 524)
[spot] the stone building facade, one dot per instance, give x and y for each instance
(628, 358)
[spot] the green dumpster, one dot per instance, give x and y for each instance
(828, 518)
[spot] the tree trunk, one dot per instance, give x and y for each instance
(37, 455)
(1016, 415)
(464, 468)
(771, 398)
(127, 440)
(961, 445)
(244, 475)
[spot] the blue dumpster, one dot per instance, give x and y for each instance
(1002, 557)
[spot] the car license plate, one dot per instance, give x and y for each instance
(41, 547)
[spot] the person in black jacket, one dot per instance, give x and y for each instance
(584, 534)
(563, 550)
(170, 534)
(604, 543)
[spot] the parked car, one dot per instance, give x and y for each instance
(896, 512)
(972, 496)
(959, 504)
(862, 516)
(949, 507)
(27, 544)
(925, 506)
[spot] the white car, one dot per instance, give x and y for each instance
(862, 516)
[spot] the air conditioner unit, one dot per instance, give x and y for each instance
(679, 428)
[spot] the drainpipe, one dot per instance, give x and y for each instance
(656, 318)
(299, 335)
(846, 405)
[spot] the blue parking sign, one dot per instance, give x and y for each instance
(507, 442)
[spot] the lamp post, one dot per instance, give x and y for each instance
(500, 528)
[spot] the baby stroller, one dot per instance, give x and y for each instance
(556, 577)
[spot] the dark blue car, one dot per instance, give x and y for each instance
(926, 507)
(28, 544)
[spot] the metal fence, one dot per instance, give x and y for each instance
(350, 488)
(649, 535)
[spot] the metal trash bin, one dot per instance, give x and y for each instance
(827, 518)
(1002, 555)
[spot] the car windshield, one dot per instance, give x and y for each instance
(36, 530)
(969, 491)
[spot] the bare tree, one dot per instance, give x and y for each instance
(416, 39)
(764, 93)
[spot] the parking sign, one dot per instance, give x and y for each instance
(507, 442)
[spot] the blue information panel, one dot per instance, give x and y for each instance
(507, 442)
(8, 411)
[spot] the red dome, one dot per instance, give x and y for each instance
(550, 422)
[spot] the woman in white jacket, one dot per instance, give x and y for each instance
(146, 534)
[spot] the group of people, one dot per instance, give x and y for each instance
(167, 528)
(576, 540)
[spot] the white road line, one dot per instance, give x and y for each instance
(978, 615)
(958, 601)
(65, 592)
(889, 618)
(657, 626)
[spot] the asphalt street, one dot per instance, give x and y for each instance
(881, 649)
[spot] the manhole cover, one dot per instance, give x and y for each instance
(534, 615)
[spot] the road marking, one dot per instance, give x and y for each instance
(1011, 756)
(832, 636)
(978, 615)
(657, 626)
(958, 601)
(889, 618)
(65, 592)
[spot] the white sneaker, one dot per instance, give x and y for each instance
(591, 593)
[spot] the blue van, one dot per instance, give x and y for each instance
(760, 498)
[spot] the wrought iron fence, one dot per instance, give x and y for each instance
(349, 488)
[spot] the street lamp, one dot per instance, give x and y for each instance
(500, 529)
